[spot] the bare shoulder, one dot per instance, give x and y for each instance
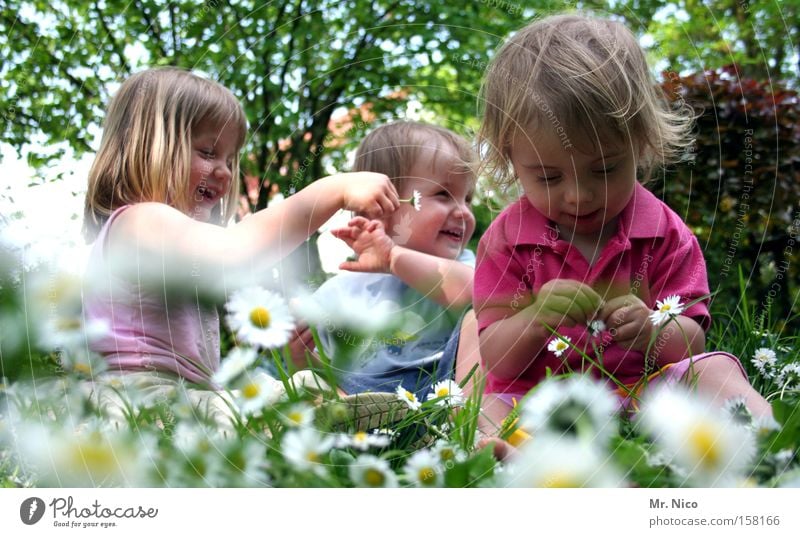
(141, 221)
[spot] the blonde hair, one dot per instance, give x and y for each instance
(145, 152)
(588, 79)
(392, 149)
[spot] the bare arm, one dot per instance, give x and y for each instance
(159, 238)
(445, 281)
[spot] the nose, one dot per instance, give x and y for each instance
(222, 171)
(577, 193)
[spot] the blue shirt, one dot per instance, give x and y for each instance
(420, 353)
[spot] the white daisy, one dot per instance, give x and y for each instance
(694, 434)
(415, 200)
(255, 393)
(736, 409)
(597, 327)
(448, 392)
(424, 469)
(363, 441)
(666, 309)
(558, 345)
(260, 317)
(304, 449)
(237, 361)
(764, 358)
(789, 375)
(298, 415)
(372, 472)
(576, 406)
(549, 461)
(448, 453)
(409, 398)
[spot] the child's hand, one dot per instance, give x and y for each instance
(629, 317)
(300, 342)
(367, 193)
(371, 244)
(565, 303)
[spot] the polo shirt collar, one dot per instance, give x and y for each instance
(642, 218)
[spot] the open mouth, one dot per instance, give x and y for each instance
(453, 234)
(208, 194)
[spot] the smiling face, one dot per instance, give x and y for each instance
(583, 194)
(214, 150)
(444, 223)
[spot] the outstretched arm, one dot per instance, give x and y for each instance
(155, 237)
(445, 281)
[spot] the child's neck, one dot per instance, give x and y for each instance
(590, 245)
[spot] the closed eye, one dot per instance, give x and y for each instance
(605, 171)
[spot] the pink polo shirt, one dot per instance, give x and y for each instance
(653, 255)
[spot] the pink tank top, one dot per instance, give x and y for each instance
(148, 330)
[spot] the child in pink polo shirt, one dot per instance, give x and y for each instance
(572, 110)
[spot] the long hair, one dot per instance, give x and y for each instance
(145, 151)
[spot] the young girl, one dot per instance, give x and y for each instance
(162, 187)
(572, 109)
(415, 258)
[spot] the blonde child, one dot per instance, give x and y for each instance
(572, 109)
(162, 188)
(415, 258)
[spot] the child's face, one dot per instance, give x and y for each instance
(213, 151)
(582, 193)
(444, 223)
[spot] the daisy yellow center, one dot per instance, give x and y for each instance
(374, 478)
(561, 345)
(360, 436)
(295, 417)
(665, 308)
(447, 454)
(251, 390)
(427, 475)
(561, 480)
(82, 368)
(443, 392)
(98, 459)
(66, 325)
(260, 317)
(312, 456)
(705, 446)
(410, 396)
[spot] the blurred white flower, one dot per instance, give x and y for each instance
(416, 200)
(764, 358)
(372, 472)
(548, 461)
(666, 309)
(260, 317)
(236, 363)
(304, 449)
(298, 415)
(409, 398)
(712, 448)
(448, 453)
(423, 469)
(736, 409)
(789, 376)
(597, 327)
(558, 345)
(448, 392)
(363, 441)
(337, 311)
(577, 406)
(255, 392)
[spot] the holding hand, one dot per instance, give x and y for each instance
(565, 303)
(371, 244)
(629, 319)
(367, 193)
